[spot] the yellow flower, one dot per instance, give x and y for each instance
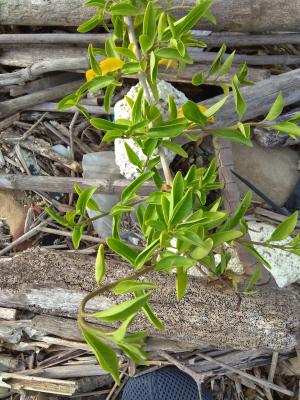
(90, 74)
(168, 63)
(211, 120)
(110, 64)
(107, 65)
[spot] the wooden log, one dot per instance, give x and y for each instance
(38, 60)
(259, 98)
(231, 39)
(13, 106)
(231, 15)
(66, 184)
(37, 384)
(206, 315)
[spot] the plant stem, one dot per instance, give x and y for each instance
(264, 244)
(105, 288)
(147, 91)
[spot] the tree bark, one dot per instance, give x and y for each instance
(231, 15)
(54, 283)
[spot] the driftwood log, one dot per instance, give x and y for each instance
(54, 282)
(231, 39)
(231, 15)
(13, 106)
(38, 60)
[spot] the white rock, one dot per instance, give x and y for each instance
(122, 110)
(285, 266)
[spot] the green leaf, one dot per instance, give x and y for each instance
(100, 264)
(216, 107)
(136, 112)
(110, 48)
(182, 208)
(122, 249)
(94, 3)
(286, 227)
(125, 9)
(129, 286)
(240, 103)
(198, 79)
(172, 108)
(112, 135)
(154, 67)
(116, 223)
(97, 83)
(107, 98)
(254, 278)
(258, 256)
(181, 282)
(120, 333)
(173, 54)
(104, 124)
(181, 48)
(93, 61)
(149, 25)
(165, 204)
(125, 52)
(203, 250)
(225, 236)
(121, 311)
(76, 235)
(120, 209)
(216, 64)
(91, 204)
(177, 190)
(84, 198)
(234, 135)
(135, 353)
(161, 26)
(164, 131)
(234, 220)
(132, 188)
(146, 254)
(132, 156)
(56, 217)
(175, 148)
(88, 25)
(155, 321)
(118, 26)
(167, 263)
(186, 23)
(67, 102)
(104, 353)
(192, 113)
(276, 108)
(288, 127)
(227, 64)
(131, 68)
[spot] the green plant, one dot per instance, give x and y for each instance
(182, 229)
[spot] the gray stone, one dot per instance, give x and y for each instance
(273, 171)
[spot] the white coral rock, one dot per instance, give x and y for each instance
(122, 110)
(285, 266)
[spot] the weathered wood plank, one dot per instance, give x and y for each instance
(66, 184)
(54, 283)
(231, 39)
(231, 15)
(37, 60)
